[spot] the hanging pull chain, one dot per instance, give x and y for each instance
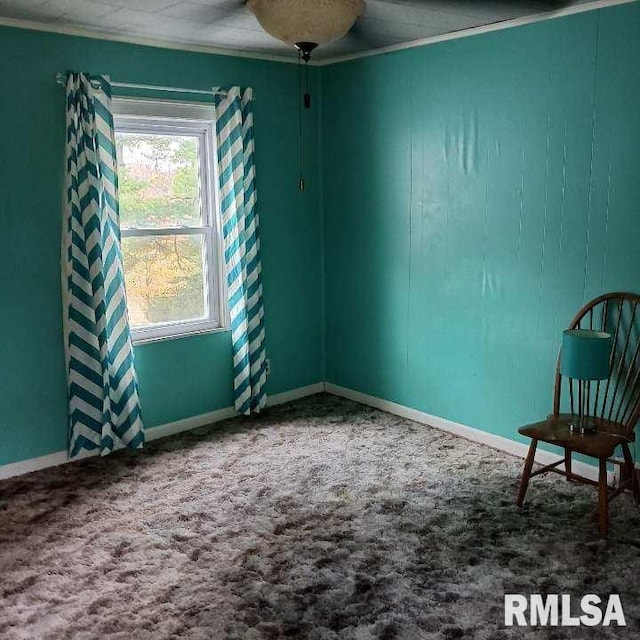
(301, 184)
(307, 95)
(304, 98)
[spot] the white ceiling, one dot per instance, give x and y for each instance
(204, 22)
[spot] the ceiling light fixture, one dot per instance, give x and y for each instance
(306, 24)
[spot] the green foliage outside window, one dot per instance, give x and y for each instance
(159, 187)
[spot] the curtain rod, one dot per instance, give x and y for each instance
(61, 79)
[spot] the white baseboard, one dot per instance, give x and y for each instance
(295, 394)
(33, 464)
(475, 435)
(155, 433)
(186, 424)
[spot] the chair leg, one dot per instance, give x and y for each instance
(630, 472)
(526, 474)
(603, 502)
(567, 463)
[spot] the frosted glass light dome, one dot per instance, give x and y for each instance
(315, 21)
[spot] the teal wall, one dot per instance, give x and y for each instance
(471, 195)
(178, 378)
(476, 193)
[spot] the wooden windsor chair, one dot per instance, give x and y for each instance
(612, 405)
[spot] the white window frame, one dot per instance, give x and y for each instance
(174, 118)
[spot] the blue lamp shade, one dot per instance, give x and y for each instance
(585, 354)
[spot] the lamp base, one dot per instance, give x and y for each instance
(584, 427)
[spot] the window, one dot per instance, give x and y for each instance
(168, 218)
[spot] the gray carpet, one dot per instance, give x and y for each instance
(321, 519)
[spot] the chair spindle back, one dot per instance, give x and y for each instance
(618, 398)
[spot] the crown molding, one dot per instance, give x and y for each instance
(236, 53)
(473, 31)
(96, 34)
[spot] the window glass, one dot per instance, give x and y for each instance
(165, 278)
(159, 180)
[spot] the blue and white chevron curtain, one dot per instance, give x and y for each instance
(104, 409)
(240, 230)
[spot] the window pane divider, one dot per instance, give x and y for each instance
(164, 231)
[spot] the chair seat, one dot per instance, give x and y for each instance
(555, 430)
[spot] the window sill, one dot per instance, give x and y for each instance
(142, 340)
